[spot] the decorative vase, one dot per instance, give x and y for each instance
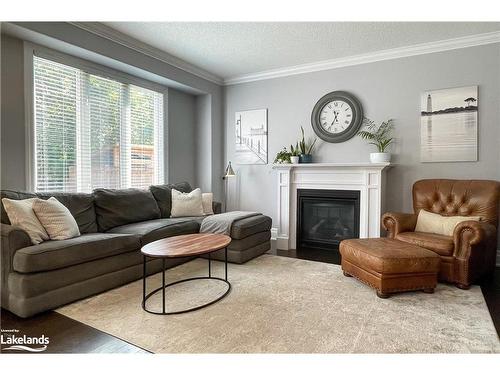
(380, 157)
(294, 159)
(306, 158)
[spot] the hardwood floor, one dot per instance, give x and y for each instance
(70, 336)
(65, 334)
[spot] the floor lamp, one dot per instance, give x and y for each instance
(229, 173)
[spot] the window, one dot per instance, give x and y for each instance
(92, 131)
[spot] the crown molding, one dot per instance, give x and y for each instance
(138, 46)
(389, 54)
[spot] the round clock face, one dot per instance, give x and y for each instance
(337, 117)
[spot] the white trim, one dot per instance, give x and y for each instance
(498, 258)
(274, 233)
(29, 120)
(138, 46)
(388, 54)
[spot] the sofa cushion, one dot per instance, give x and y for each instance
(163, 195)
(115, 207)
(250, 241)
(442, 245)
(153, 230)
(250, 225)
(34, 284)
(51, 255)
(80, 205)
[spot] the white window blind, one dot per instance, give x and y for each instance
(92, 131)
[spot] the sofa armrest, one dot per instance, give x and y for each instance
(396, 222)
(468, 235)
(13, 239)
(217, 207)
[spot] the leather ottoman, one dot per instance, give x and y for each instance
(390, 265)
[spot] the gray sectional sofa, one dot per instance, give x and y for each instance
(114, 225)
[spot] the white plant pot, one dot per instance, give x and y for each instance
(380, 157)
(294, 159)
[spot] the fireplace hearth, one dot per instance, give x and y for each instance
(326, 217)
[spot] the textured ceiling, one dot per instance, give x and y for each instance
(232, 49)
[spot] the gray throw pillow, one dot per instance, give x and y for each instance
(163, 195)
(115, 207)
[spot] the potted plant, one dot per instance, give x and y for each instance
(282, 157)
(306, 149)
(380, 136)
(295, 154)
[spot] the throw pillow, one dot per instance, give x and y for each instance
(430, 222)
(187, 204)
(207, 200)
(56, 219)
(21, 214)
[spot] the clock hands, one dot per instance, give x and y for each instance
(335, 118)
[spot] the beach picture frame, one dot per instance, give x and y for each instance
(449, 125)
(251, 137)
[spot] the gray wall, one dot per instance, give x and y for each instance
(386, 89)
(183, 119)
(13, 160)
(181, 136)
(203, 141)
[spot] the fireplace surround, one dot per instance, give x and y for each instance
(368, 179)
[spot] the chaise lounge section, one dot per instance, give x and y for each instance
(114, 225)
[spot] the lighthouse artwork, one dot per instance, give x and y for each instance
(448, 125)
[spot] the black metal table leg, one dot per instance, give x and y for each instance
(144, 281)
(209, 266)
(225, 263)
(163, 284)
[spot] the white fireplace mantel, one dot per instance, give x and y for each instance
(367, 178)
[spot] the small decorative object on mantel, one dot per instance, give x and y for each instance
(448, 125)
(306, 148)
(282, 157)
(380, 136)
(295, 154)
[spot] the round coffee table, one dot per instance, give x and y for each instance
(187, 245)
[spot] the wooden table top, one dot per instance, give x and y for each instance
(186, 245)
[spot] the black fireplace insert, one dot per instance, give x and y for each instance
(326, 217)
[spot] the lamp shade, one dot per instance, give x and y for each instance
(229, 171)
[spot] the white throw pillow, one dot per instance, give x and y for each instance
(186, 204)
(56, 219)
(207, 200)
(21, 215)
(430, 222)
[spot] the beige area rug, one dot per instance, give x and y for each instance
(286, 305)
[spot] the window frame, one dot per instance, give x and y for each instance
(31, 50)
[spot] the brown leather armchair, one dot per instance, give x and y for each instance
(471, 252)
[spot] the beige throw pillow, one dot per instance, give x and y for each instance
(21, 215)
(56, 219)
(207, 200)
(186, 204)
(430, 222)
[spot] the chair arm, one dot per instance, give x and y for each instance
(469, 234)
(12, 239)
(216, 207)
(396, 222)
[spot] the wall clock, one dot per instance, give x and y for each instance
(337, 117)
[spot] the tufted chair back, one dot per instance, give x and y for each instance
(458, 198)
